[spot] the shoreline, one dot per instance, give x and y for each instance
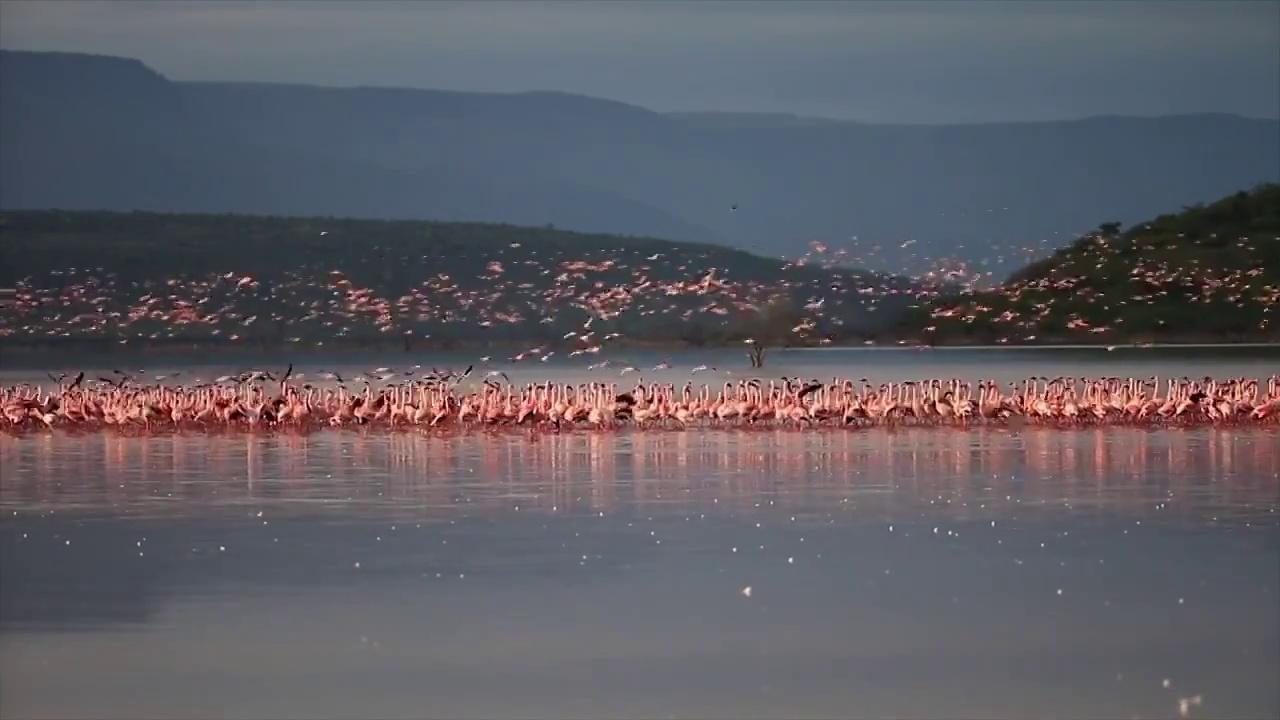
(108, 346)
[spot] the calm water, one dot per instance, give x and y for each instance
(876, 364)
(920, 573)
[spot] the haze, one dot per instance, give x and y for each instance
(916, 62)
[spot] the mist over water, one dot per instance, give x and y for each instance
(941, 573)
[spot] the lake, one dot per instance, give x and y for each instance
(876, 363)
(922, 573)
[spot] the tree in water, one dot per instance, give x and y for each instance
(771, 326)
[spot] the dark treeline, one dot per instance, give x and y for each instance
(1208, 273)
(165, 279)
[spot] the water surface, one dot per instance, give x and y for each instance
(876, 364)
(930, 573)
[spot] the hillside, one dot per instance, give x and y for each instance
(91, 132)
(105, 276)
(100, 133)
(1210, 272)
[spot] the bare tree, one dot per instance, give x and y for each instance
(773, 325)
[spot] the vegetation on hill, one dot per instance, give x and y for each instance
(1209, 272)
(167, 278)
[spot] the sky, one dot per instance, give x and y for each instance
(901, 61)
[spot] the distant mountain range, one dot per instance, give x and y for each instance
(94, 132)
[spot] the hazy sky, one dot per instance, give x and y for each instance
(886, 61)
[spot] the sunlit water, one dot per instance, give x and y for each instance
(1025, 573)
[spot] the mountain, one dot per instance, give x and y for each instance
(91, 132)
(88, 132)
(102, 276)
(1209, 272)
(721, 120)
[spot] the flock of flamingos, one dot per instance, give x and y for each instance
(261, 402)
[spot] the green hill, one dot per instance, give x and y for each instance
(101, 276)
(1210, 272)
